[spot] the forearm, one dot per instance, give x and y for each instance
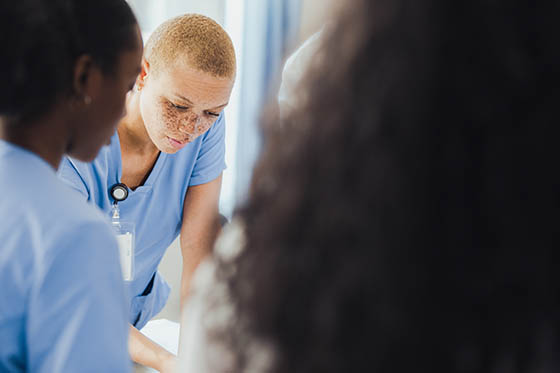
(199, 229)
(148, 353)
(190, 262)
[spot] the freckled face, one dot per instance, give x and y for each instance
(179, 104)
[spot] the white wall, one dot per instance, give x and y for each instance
(151, 13)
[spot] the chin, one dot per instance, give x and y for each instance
(169, 150)
(84, 154)
(164, 147)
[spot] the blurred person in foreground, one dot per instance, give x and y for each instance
(66, 76)
(404, 218)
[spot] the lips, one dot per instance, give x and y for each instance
(178, 144)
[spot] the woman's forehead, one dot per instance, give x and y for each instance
(194, 86)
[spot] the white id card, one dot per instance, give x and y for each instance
(125, 239)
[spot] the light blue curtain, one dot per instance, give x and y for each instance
(271, 27)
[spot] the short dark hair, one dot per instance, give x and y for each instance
(405, 218)
(42, 40)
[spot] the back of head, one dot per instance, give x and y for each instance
(198, 40)
(42, 40)
(404, 218)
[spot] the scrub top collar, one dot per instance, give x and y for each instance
(154, 172)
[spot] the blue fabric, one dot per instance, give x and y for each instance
(63, 306)
(270, 28)
(156, 207)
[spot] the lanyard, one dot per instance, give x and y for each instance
(124, 232)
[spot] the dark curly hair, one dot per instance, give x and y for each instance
(405, 217)
(42, 40)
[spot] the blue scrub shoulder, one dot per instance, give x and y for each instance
(59, 269)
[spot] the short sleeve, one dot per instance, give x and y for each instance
(211, 158)
(68, 173)
(77, 317)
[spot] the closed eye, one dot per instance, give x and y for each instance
(180, 107)
(213, 114)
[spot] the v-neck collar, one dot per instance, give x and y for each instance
(152, 176)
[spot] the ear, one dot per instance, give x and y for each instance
(141, 80)
(87, 79)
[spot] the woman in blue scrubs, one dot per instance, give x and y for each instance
(169, 152)
(65, 79)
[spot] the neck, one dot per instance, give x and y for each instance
(133, 135)
(47, 137)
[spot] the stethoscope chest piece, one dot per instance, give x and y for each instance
(119, 192)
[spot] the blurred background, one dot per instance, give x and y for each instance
(264, 33)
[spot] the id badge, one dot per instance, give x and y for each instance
(125, 238)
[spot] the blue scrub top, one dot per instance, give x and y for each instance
(156, 207)
(63, 306)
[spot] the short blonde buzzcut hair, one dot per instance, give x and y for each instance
(203, 43)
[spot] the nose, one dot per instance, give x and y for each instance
(191, 125)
